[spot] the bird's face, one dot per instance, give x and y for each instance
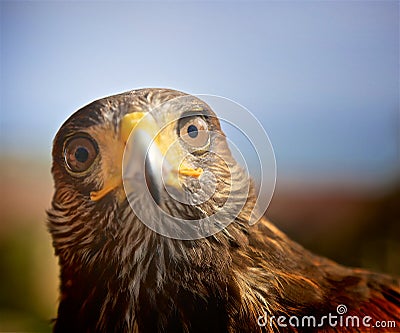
(159, 154)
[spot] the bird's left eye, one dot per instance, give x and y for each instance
(194, 132)
(79, 153)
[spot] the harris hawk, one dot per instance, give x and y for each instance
(118, 274)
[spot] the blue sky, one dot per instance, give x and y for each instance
(322, 77)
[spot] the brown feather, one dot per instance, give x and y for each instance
(119, 276)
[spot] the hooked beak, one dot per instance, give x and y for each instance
(148, 160)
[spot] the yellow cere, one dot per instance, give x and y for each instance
(129, 122)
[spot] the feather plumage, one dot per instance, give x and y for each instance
(117, 275)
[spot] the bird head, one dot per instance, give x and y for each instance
(151, 164)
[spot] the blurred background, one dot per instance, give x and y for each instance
(322, 78)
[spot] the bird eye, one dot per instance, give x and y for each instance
(194, 132)
(79, 153)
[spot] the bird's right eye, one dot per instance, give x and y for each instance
(79, 153)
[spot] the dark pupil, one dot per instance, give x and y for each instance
(192, 131)
(81, 154)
